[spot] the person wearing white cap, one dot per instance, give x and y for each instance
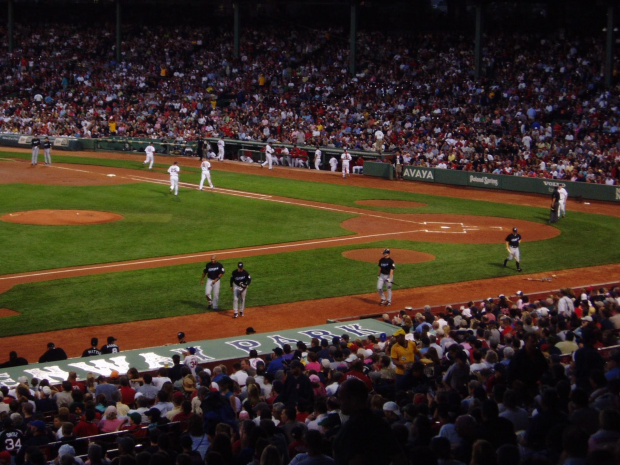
(386, 275)
(391, 412)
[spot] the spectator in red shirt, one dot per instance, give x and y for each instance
(87, 426)
(128, 394)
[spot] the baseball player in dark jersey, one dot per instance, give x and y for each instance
(11, 439)
(386, 274)
(36, 143)
(47, 151)
(92, 350)
(239, 282)
(512, 246)
(110, 347)
(214, 271)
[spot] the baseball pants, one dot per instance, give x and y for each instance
(35, 155)
(345, 169)
(48, 156)
(149, 160)
(205, 175)
(239, 298)
(268, 161)
(174, 185)
(220, 154)
(562, 212)
(514, 253)
(317, 164)
(384, 280)
(212, 291)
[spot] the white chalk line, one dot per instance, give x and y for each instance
(204, 255)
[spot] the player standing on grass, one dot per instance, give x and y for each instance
(214, 271)
(150, 158)
(239, 282)
(205, 166)
(512, 246)
(174, 171)
(386, 275)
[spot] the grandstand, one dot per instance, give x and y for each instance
(463, 377)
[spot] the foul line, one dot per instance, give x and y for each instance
(204, 254)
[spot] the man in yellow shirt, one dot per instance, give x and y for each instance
(403, 355)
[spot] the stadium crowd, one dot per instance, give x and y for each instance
(539, 110)
(495, 382)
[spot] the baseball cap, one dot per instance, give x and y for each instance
(111, 339)
(514, 229)
(114, 374)
(180, 335)
(46, 390)
(315, 379)
(399, 332)
(94, 341)
(519, 292)
(351, 358)
(38, 424)
(178, 395)
(50, 345)
(191, 350)
(386, 250)
(66, 449)
(392, 407)
(383, 337)
(240, 265)
(278, 351)
(249, 330)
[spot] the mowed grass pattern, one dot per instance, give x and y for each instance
(157, 225)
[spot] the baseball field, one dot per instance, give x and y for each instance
(94, 245)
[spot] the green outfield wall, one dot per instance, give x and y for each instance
(210, 352)
(234, 148)
(576, 190)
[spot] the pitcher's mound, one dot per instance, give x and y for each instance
(60, 217)
(398, 255)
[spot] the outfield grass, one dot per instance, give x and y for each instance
(156, 225)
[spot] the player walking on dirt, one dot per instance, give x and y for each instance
(239, 282)
(386, 275)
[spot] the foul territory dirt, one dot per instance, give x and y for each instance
(370, 226)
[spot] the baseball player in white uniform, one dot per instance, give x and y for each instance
(205, 166)
(317, 158)
(333, 163)
(345, 158)
(268, 157)
(174, 171)
(563, 196)
(150, 158)
(220, 149)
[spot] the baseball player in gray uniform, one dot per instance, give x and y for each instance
(386, 275)
(213, 272)
(205, 166)
(239, 282)
(512, 246)
(174, 171)
(36, 143)
(47, 151)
